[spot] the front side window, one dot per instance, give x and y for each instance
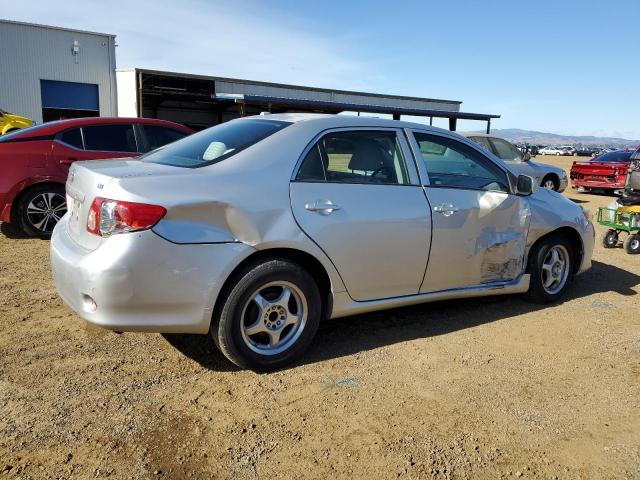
(215, 144)
(452, 164)
(505, 150)
(158, 136)
(363, 156)
(110, 138)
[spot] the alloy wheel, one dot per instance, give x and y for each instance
(45, 210)
(273, 318)
(555, 269)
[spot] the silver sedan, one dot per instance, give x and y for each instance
(256, 229)
(547, 176)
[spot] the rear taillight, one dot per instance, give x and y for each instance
(109, 217)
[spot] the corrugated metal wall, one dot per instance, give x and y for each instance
(30, 53)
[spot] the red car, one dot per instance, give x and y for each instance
(605, 172)
(34, 162)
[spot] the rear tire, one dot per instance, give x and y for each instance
(257, 325)
(550, 265)
(632, 244)
(610, 239)
(40, 209)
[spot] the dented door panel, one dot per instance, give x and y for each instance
(478, 237)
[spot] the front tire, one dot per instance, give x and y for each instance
(550, 182)
(40, 209)
(550, 266)
(268, 315)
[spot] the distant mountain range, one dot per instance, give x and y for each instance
(517, 135)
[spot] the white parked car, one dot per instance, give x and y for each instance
(552, 151)
(547, 176)
(256, 229)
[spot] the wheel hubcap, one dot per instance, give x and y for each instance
(273, 318)
(550, 185)
(555, 269)
(635, 244)
(45, 210)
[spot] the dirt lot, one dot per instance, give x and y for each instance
(492, 388)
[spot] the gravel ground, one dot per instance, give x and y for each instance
(491, 388)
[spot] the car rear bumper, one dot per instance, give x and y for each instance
(140, 282)
(586, 183)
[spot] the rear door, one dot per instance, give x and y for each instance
(94, 142)
(479, 227)
(356, 194)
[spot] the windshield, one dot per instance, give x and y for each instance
(619, 156)
(215, 144)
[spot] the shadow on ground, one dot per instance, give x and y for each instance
(347, 336)
(11, 231)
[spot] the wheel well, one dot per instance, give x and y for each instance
(18, 199)
(574, 239)
(307, 261)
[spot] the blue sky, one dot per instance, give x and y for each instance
(569, 67)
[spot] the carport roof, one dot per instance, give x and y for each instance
(268, 101)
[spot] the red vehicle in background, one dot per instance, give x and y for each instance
(604, 172)
(34, 162)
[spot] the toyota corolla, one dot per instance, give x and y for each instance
(255, 230)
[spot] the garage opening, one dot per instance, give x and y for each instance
(62, 100)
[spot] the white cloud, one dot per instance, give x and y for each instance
(226, 39)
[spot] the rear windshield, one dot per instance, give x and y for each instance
(614, 157)
(215, 144)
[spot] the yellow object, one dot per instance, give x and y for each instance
(9, 122)
(630, 208)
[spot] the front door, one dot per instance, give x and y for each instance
(357, 197)
(479, 227)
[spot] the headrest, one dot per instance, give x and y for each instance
(368, 156)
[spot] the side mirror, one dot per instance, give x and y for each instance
(526, 185)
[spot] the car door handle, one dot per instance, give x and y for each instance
(446, 209)
(324, 207)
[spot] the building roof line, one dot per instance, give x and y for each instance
(285, 85)
(51, 27)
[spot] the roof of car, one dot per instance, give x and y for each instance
(331, 121)
(51, 128)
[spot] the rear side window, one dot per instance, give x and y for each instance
(505, 150)
(158, 136)
(356, 157)
(483, 141)
(72, 137)
(110, 138)
(216, 143)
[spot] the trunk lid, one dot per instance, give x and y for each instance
(91, 179)
(599, 168)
